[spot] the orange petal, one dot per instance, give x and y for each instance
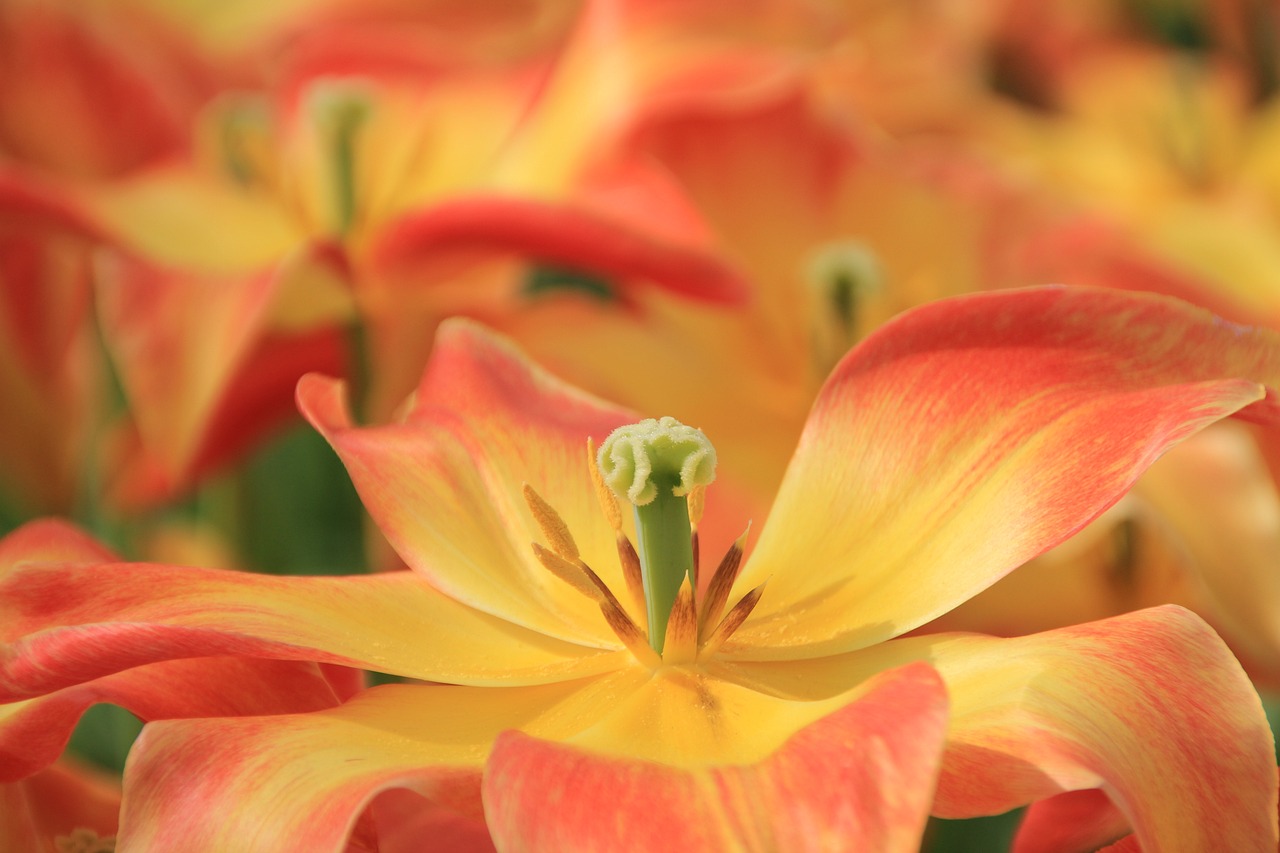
(970, 435)
(1150, 707)
(860, 778)
(1078, 820)
(445, 486)
(56, 802)
(49, 359)
(577, 235)
(176, 338)
(1216, 496)
(93, 95)
(298, 782)
(34, 732)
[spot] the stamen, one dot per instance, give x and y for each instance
(569, 572)
(341, 108)
(84, 841)
(681, 642)
(553, 527)
(626, 551)
(732, 621)
(581, 577)
(722, 582)
(244, 128)
(653, 465)
(604, 494)
(697, 502)
(840, 276)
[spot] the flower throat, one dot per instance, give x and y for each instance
(662, 468)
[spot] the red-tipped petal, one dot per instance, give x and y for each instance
(299, 782)
(1076, 821)
(34, 732)
(858, 779)
(1150, 706)
(968, 436)
(69, 624)
(573, 235)
(60, 800)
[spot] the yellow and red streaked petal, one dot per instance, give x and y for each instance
(1075, 821)
(445, 486)
(860, 778)
(67, 624)
(1215, 493)
(93, 95)
(1201, 529)
(583, 235)
(48, 357)
(34, 732)
(300, 781)
(176, 337)
(180, 218)
(404, 820)
(970, 435)
(1150, 707)
(56, 802)
(256, 399)
(50, 540)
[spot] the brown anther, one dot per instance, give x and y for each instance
(581, 577)
(732, 621)
(681, 643)
(695, 544)
(631, 635)
(722, 583)
(553, 528)
(631, 573)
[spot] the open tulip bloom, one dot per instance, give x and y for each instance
(599, 684)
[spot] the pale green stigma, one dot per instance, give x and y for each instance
(653, 465)
(244, 131)
(842, 274)
(340, 108)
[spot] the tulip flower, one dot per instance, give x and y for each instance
(92, 93)
(776, 707)
(839, 234)
(65, 808)
(49, 366)
(51, 802)
(380, 189)
(1172, 148)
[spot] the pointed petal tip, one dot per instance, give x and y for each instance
(322, 400)
(51, 540)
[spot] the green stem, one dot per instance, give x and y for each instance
(666, 555)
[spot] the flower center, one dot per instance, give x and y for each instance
(841, 277)
(661, 467)
(341, 108)
(84, 841)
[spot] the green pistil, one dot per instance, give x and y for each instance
(841, 276)
(341, 108)
(653, 465)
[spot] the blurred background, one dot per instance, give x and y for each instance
(694, 207)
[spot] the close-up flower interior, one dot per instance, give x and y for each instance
(639, 425)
